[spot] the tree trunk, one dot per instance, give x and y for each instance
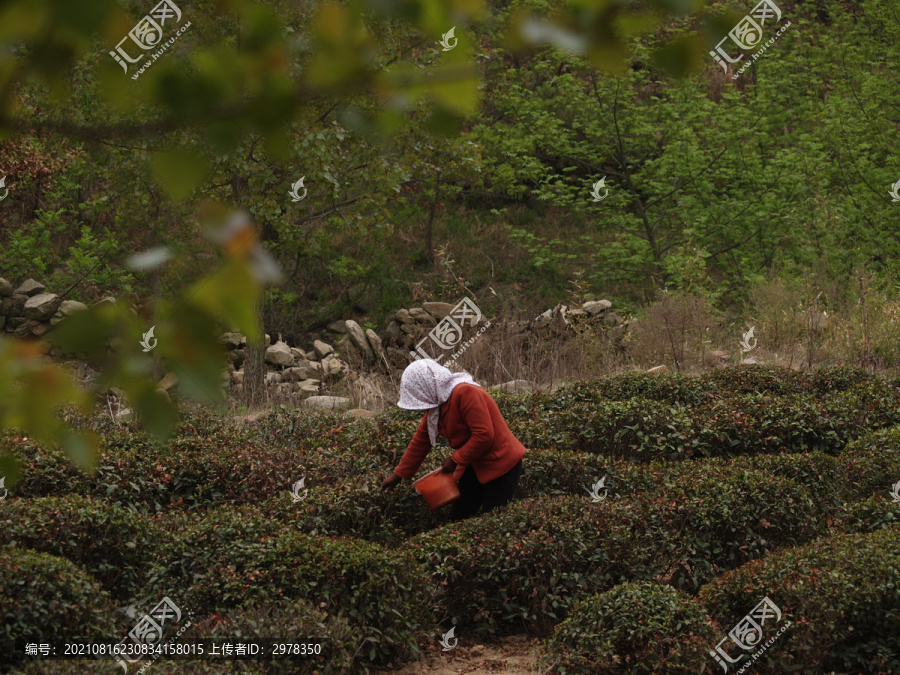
(253, 392)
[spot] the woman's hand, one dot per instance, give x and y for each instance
(448, 465)
(390, 482)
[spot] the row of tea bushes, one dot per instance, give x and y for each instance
(644, 430)
(233, 557)
(213, 461)
(46, 597)
(113, 543)
(520, 568)
(838, 597)
(719, 383)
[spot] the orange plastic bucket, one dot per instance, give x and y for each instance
(438, 488)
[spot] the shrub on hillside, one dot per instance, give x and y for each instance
(520, 567)
(43, 597)
(842, 378)
(672, 389)
(840, 594)
(756, 379)
(875, 513)
(111, 544)
(637, 627)
(229, 559)
(719, 516)
(341, 651)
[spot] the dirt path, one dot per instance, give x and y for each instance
(513, 655)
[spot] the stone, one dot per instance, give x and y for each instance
(327, 403)
(322, 349)
(595, 307)
(437, 309)
(279, 354)
(298, 354)
(419, 315)
(393, 331)
(358, 337)
(6, 288)
(30, 288)
(749, 362)
(233, 340)
(268, 340)
(273, 377)
(514, 386)
(169, 381)
(338, 327)
(108, 300)
(41, 306)
(237, 356)
(659, 370)
(311, 355)
(283, 390)
(13, 322)
(39, 329)
(403, 316)
(333, 365)
(307, 389)
(17, 304)
(237, 377)
(375, 341)
(577, 312)
(67, 308)
(301, 371)
(542, 320)
(361, 413)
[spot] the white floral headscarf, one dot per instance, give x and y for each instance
(426, 385)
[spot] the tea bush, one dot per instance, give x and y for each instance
(518, 568)
(231, 558)
(637, 627)
(43, 597)
(873, 514)
(839, 593)
(341, 651)
(673, 389)
(111, 544)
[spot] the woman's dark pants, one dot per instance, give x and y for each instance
(473, 495)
